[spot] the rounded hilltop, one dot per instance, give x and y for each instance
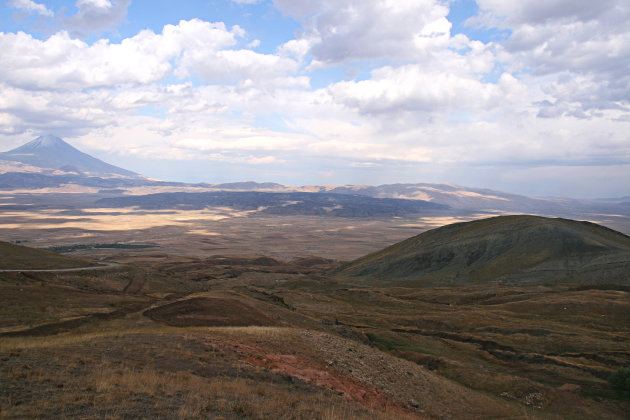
(510, 249)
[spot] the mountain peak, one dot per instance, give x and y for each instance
(48, 140)
(51, 152)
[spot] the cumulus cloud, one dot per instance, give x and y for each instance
(96, 16)
(370, 29)
(296, 48)
(99, 4)
(422, 98)
(451, 82)
(192, 47)
(30, 6)
(583, 45)
(233, 65)
(45, 111)
(517, 12)
(61, 62)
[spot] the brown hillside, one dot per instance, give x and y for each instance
(17, 257)
(507, 249)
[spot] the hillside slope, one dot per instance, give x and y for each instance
(508, 249)
(17, 257)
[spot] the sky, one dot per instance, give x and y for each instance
(529, 97)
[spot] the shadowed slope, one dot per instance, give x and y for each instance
(512, 249)
(16, 257)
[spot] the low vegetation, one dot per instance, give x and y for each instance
(165, 336)
(620, 381)
(79, 247)
(14, 256)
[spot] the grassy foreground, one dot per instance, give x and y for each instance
(168, 337)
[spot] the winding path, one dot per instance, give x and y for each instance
(105, 266)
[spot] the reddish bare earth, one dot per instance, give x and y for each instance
(302, 369)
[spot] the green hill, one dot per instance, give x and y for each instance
(507, 249)
(17, 257)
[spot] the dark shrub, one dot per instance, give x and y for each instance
(620, 380)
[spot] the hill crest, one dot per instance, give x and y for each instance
(507, 249)
(19, 257)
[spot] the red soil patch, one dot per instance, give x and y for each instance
(209, 312)
(310, 371)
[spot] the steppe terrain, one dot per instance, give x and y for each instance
(127, 297)
(190, 329)
(55, 218)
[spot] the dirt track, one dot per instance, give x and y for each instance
(105, 266)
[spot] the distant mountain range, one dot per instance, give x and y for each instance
(51, 163)
(454, 196)
(288, 203)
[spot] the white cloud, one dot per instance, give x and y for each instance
(371, 151)
(102, 4)
(518, 12)
(370, 29)
(296, 48)
(191, 47)
(31, 7)
(67, 114)
(452, 84)
(233, 65)
(577, 51)
(239, 137)
(61, 62)
(364, 165)
(96, 16)
(554, 93)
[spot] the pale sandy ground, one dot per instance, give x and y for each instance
(200, 233)
(214, 231)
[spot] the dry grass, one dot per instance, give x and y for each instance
(16, 257)
(270, 333)
(64, 340)
(165, 373)
(200, 396)
(132, 367)
(59, 341)
(511, 341)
